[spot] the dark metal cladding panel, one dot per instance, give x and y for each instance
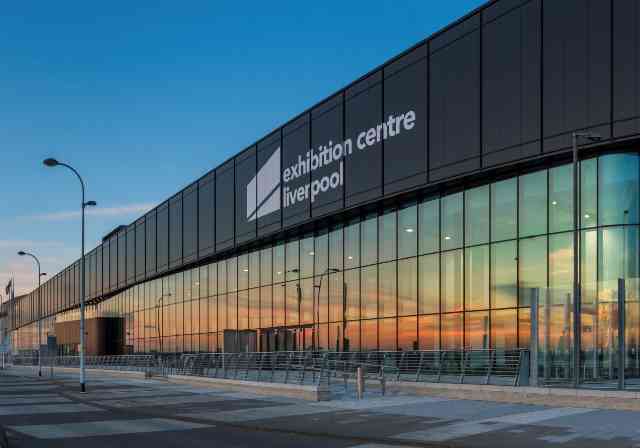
(268, 190)
(131, 254)
(327, 133)
(122, 259)
(246, 228)
(576, 69)
(190, 223)
(405, 119)
(225, 210)
(162, 238)
(175, 231)
(140, 249)
(151, 243)
(206, 216)
(626, 67)
(511, 79)
(363, 169)
(454, 120)
(296, 203)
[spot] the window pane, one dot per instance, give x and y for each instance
(369, 294)
(307, 256)
(408, 333)
(533, 204)
(429, 332)
(477, 216)
(504, 330)
(292, 260)
(429, 222)
(321, 254)
(504, 275)
(407, 287)
(533, 269)
(503, 210)
(243, 272)
(451, 331)
(243, 310)
(452, 282)
(561, 198)
(308, 301)
(387, 290)
(369, 245)
(589, 192)
(477, 330)
(266, 268)
(266, 318)
(336, 297)
(278, 305)
(452, 221)
(352, 336)
(429, 284)
(232, 274)
(477, 278)
(254, 269)
(352, 245)
(369, 335)
(278, 263)
(387, 236)
(335, 249)
(407, 232)
(352, 291)
(618, 189)
(387, 334)
(291, 303)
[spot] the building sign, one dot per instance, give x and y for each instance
(265, 188)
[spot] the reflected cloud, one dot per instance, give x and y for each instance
(122, 210)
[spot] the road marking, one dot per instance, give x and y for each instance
(105, 428)
(472, 428)
(47, 409)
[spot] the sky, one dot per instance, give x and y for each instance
(144, 97)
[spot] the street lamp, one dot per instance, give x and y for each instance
(316, 314)
(589, 137)
(83, 205)
(40, 275)
(159, 304)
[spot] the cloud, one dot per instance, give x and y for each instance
(26, 244)
(130, 209)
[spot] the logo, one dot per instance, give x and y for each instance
(263, 191)
(271, 183)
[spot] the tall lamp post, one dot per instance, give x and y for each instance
(589, 137)
(40, 275)
(83, 205)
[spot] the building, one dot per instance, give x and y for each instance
(423, 206)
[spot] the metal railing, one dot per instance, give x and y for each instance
(497, 367)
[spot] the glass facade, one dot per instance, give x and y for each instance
(447, 272)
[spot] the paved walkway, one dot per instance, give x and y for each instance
(154, 413)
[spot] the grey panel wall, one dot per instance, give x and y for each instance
(576, 69)
(131, 254)
(295, 143)
(151, 243)
(268, 148)
(140, 270)
(121, 261)
(162, 238)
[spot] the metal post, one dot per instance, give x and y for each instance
(359, 383)
(535, 297)
(576, 262)
(621, 331)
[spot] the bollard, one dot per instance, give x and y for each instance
(359, 383)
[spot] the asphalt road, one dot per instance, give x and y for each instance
(154, 413)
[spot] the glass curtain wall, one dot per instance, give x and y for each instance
(450, 272)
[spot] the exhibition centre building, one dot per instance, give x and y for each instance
(429, 205)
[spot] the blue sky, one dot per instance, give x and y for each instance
(144, 97)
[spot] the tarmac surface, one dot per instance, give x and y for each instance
(127, 412)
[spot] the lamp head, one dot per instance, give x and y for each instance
(43, 274)
(51, 162)
(22, 253)
(90, 204)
